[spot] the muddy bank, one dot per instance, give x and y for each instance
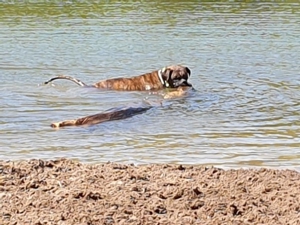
(68, 192)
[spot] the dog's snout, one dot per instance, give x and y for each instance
(183, 82)
(188, 84)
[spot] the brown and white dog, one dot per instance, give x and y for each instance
(173, 76)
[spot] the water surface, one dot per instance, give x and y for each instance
(244, 59)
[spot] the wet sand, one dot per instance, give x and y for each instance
(68, 192)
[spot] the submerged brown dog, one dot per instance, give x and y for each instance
(117, 114)
(168, 77)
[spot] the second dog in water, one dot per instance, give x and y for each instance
(117, 114)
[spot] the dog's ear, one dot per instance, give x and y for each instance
(166, 73)
(188, 70)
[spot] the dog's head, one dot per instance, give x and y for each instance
(175, 76)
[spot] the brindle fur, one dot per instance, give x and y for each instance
(172, 76)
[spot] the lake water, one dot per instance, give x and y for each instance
(244, 59)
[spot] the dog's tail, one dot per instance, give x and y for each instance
(80, 83)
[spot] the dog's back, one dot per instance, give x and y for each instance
(145, 82)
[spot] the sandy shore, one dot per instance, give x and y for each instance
(68, 192)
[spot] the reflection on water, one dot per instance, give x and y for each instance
(244, 59)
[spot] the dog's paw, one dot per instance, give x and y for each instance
(55, 125)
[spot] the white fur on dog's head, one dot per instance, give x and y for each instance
(175, 76)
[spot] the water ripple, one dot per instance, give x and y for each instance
(245, 67)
